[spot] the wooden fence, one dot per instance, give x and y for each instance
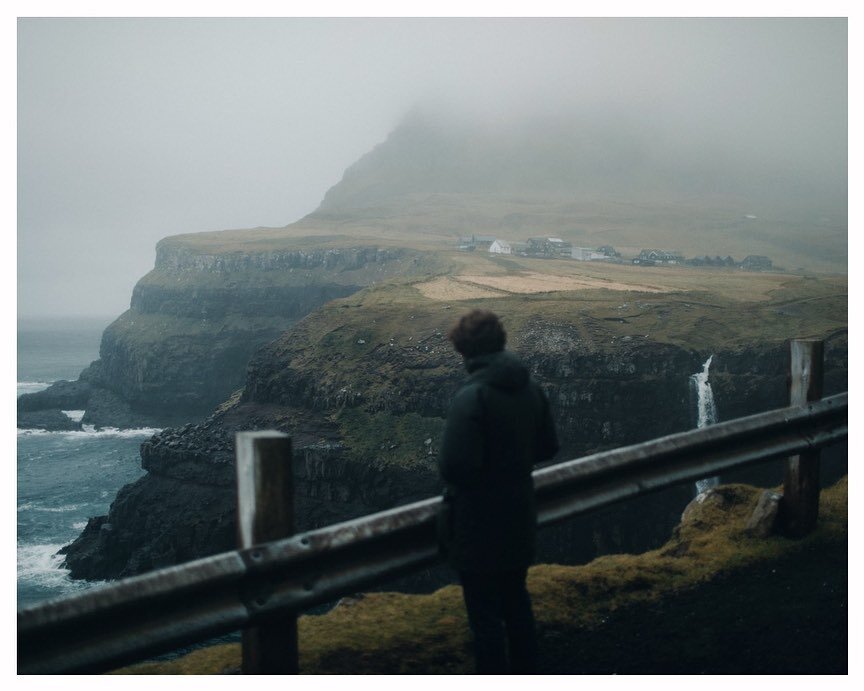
(261, 586)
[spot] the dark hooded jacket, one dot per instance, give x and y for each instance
(498, 427)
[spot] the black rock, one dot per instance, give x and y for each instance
(51, 420)
(107, 409)
(61, 395)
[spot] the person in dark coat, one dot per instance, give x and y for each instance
(498, 427)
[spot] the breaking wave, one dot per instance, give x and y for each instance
(29, 506)
(40, 564)
(90, 432)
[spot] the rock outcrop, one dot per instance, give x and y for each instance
(44, 409)
(51, 420)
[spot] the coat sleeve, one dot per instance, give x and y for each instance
(461, 456)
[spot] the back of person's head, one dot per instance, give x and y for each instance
(477, 333)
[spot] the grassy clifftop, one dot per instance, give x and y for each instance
(608, 305)
(383, 352)
(793, 239)
(712, 600)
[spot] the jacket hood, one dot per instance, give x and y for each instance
(503, 370)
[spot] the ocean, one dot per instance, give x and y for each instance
(64, 478)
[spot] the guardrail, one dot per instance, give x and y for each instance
(116, 624)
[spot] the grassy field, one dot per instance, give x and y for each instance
(694, 308)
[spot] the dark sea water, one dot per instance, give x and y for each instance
(66, 477)
(63, 477)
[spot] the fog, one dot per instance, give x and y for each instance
(130, 130)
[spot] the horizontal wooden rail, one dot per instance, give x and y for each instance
(116, 624)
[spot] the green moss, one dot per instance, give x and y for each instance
(382, 439)
(709, 582)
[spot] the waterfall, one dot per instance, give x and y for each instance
(706, 414)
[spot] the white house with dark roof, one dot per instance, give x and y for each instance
(586, 254)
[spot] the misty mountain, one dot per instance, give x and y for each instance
(613, 156)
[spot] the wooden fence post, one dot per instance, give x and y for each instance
(801, 483)
(265, 512)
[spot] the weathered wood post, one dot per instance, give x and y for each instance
(801, 484)
(265, 512)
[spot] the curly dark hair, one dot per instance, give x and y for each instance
(476, 333)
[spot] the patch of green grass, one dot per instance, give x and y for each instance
(382, 439)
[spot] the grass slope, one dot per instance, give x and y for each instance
(712, 600)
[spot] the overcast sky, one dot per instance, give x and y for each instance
(130, 130)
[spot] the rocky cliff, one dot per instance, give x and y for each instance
(363, 385)
(195, 321)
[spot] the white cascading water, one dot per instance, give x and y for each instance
(706, 414)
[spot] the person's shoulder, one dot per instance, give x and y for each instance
(468, 390)
(467, 395)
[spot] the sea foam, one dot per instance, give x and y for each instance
(31, 387)
(41, 564)
(74, 415)
(90, 432)
(56, 509)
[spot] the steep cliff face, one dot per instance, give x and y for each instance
(364, 400)
(196, 319)
(750, 379)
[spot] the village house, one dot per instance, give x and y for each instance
(500, 247)
(756, 262)
(483, 242)
(711, 261)
(650, 257)
(475, 242)
(586, 254)
(549, 247)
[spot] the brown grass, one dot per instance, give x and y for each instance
(388, 633)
